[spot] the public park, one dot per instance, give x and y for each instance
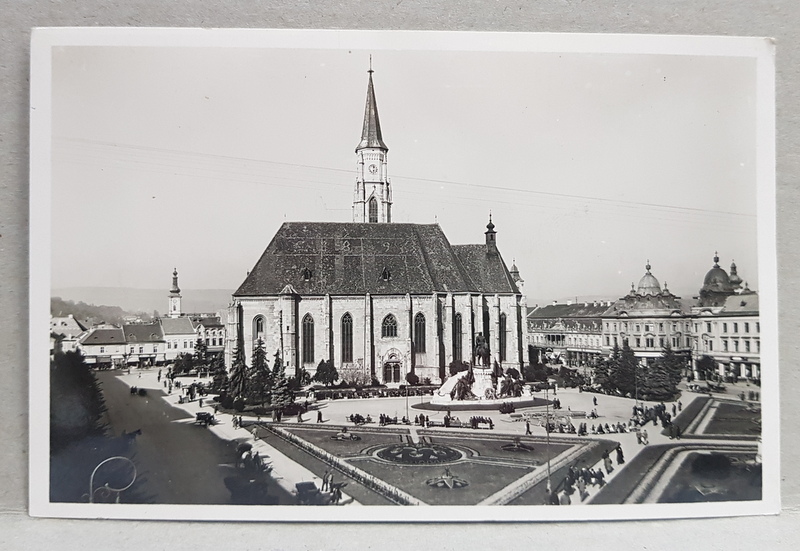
(549, 446)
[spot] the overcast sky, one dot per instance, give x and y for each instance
(591, 164)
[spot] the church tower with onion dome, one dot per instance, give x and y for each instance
(175, 297)
(717, 285)
(373, 194)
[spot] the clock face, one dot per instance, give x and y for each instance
(373, 169)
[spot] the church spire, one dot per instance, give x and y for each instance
(371, 131)
(372, 201)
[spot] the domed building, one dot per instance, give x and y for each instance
(647, 319)
(726, 326)
(722, 322)
(718, 285)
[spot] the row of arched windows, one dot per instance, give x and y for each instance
(388, 330)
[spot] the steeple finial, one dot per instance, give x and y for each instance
(647, 266)
(716, 259)
(370, 65)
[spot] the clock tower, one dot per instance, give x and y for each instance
(373, 194)
(175, 297)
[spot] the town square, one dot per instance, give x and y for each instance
(284, 315)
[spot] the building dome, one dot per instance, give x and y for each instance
(648, 285)
(717, 279)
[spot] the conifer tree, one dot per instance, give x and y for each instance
(326, 373)
(238, 377)
(200, 353)
(220, 374)
(674, 364)
(624, 371)
(260, 375)
(282, 395)
(658, 384)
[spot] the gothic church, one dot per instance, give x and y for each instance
(378, 298)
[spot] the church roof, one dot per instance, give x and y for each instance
(371, 131)
(487, 271)
(317, 258)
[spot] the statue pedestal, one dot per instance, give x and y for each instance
(483, 382)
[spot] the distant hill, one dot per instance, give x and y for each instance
(147, 300)
(91, 314)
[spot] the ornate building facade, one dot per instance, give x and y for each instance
(376, 297)
(721, 322)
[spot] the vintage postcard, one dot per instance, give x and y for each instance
(402, 276)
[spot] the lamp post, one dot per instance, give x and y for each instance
(106, 487)
(547, 433)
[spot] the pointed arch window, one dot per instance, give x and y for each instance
(373, 210)
(258, 328)
(457, 338)
(347, 338)
(389, 326)
(502, 337)
(308, 339)
(419, 333)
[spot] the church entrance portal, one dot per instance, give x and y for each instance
(391, 372)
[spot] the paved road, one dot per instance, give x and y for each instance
(181, 463)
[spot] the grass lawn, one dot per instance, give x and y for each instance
(734, 419)
(707, 477)
(485, 465)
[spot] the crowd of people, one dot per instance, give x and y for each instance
(578, 480)
(476, 421)
(358, 419)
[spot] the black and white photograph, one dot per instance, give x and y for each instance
(372, 270)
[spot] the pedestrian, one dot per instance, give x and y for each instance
(620, 456)
(638, 437)
(300, 416)
(594, 400)
(201, 402)
(325, 481)
(680, 405)
(607, 463)
(235, 422)
(674, 410)
(565, 499)
(528, 427)
(319, 416)
(644, 437)
(216, 408)
(159, 376)
(581, 487)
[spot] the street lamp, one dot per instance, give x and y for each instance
(547, 433)
(106, 487)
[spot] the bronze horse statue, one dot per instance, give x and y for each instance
(482, 352)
